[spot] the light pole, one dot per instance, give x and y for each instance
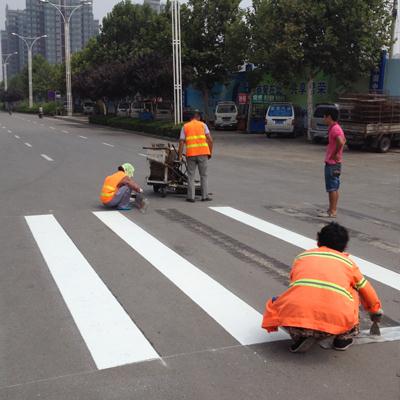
(30, 42)
(63, 10)
(7, 56)
(177, 60)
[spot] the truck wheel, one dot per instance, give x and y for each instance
(156, 188)
(384, 144)
(268, 134)
(163, 191)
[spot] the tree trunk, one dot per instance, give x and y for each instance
(310, 106)
(206, 96)
(249, 111)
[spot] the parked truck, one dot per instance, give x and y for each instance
(370, 120)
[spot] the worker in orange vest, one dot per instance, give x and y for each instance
(196, 136)
(117, 189)
(326, 287)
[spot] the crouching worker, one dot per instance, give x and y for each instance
(117, 189)
(323, 297)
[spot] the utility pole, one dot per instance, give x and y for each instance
(394, 24)
(66, 14)
(7, 56)
(177, 60)
(29, 42)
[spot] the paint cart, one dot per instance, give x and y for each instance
(167, 173)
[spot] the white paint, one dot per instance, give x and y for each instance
(65, 132)
(389, 334)
(108, 144)
(46, 157)
(52, 127)
(28, 144)
(109, 333)
(9, 131)
(239, 319)
(83, 137)
(17, 137)
(4, 127)
(374, 271)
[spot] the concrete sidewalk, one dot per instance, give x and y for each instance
(78, 118)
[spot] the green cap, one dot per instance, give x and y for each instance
(129, 169)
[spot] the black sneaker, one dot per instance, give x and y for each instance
(207, 199)
(302, 345)
(191, 200)
(342, 344)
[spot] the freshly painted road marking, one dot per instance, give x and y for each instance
(28, 144)
(46, 157)
(64, 131)
(83, 137)
(108, 144)
(17, 137)
(374, 271)
(111, 336)
(239, 319)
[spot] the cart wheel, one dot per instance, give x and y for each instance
(268, 134)
(163, 191)
(384, 144)
(156, 188)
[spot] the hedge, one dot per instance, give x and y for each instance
(48, 108)
(158, 128)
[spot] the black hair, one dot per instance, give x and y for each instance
(333, 236)
(120, 168)
(332, 112)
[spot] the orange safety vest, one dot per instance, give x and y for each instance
(324, 293)
(110, 186)
(195, 139)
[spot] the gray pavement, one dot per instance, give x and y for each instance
(43, 353)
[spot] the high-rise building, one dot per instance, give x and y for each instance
(154, 4)
(40, 19)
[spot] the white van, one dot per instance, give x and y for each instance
(123, 109)
(319, 130)
(284, 118)
(226, 115)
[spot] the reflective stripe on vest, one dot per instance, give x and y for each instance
(332, 256)
(361, 284)
(323, 285)
(196, 139)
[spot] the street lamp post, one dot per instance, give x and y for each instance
(63, 9)
(7, 56)
(177, 60)
(29, 42)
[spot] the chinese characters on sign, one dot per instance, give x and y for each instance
(320, 88)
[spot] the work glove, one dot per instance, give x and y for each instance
(376, 316)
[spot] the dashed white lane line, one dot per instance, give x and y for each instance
(374, 271)
(17, 137)
(28, 144)
(83, 137)
(4, 127)
(111, 336)
(46, 157)
(52, 127)
(9, 131)
(65, 131)
(108, 144)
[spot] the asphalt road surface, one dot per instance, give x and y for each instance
(99, 304)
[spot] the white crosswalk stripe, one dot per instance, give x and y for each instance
(374, 271)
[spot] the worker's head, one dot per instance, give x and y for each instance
(331, 115)
(129, 169)
(196, 115)
(333, 236)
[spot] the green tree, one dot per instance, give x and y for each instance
(300, 38)
(215, 35)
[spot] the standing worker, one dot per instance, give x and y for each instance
(326, 287)
(333, 160)
(117, 189)
(196, 136)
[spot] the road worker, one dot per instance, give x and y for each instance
(322, 301)
(196, 136)
(117, 189)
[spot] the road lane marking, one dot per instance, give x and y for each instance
(4, 127)
(238, 318)
(17, 137)
(52, 127)
(28, 144)
(83, 137)
(374, 271)
(9, 131)
(108, 144)
(111, 336)
(64, 131)
(46, 157)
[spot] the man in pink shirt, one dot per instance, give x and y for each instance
(333, 160)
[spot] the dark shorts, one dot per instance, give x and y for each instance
(332, 177)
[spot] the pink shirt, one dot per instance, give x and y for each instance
(334, 132)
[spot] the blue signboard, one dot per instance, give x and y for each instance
(378, 74)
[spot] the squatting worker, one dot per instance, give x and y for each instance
(333, 160)
(117, 189)
(196, 136)
(323, 298)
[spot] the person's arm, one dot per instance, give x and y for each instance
(209, 139)
(340, 142)
(131, 184)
